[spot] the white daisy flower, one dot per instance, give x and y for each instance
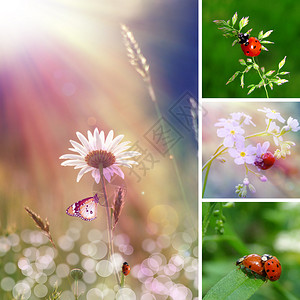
(96, 151)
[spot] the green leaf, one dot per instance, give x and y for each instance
(263, 69)
(251, 90)
(280, 81)
(266, 42)
(281, 64)
(255, 66)
(248, 32)
(234, 18)
(248, 68)
(243, 22)
(249, 60)
(271, 85)
(234, 286)
(267, 34)
(260, 35)
(264, 48)
(242, 81)
(233, 77)
(270, 73)
(242, 62)
(234, 42)
(283, 73)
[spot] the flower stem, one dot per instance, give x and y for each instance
(254, 62)
(109, 225)
(207, 217)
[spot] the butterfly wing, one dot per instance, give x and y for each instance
(86, 209)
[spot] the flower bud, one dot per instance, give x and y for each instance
(76, 274)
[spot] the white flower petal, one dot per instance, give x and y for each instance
(118, 171)
(91, 140)
(98, 139)
(83, 140)
(71, 156)
(107, 174)
(130, 162)
(79, 148)
(128, 154)
(115, 142)
(96, 175)
(82, 172)
(79, 166)
(109, 139)
(71, 162)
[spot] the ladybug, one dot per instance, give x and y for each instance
(250, 45)
(252, 262)
(266, 161)
(272, 266)
(125, 268)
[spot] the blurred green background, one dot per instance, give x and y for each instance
(283, 177)
(220, 59)
(259, 228)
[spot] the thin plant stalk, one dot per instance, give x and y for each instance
(109, 225)
(254, 62)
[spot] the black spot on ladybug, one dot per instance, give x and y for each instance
(260, 49)
(248, 52)
(268, 263)
(254, 47)
(255, 41)
(268, 271)
(273, 270)
(250, 267)
(277, 266)
(271, 276)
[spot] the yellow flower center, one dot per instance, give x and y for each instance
(232, 132)
(243, 154)
(98, 157)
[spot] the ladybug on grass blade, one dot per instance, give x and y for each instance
(250, 45)
(272, 266)
(253, 262)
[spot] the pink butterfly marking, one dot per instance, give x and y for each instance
(86, 209)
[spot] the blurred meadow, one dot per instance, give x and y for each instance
(220, 59)
(252, 227)
(283, 177)
(63, 69)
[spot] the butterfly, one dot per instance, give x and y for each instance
(86, 209)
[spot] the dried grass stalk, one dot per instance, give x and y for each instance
(136, 58)
(194, 113)
(118, 205)
(43, 225)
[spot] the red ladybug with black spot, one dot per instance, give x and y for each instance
(253, 262)
(272, 266)
(266, 161)
(250, 45)
(125, 268)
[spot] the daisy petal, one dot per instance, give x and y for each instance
(79, 148)
(71, 156)
(71, 162)
(107, 174)
(82, 172)
(96, 175)
(83, 140)
(115, 142)
(118, 171)
(128, 154)
(109, 139)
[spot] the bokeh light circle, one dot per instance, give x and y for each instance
(104, 268)
(126, 294)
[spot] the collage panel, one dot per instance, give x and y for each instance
(244, 47)
(250, 149)
(250, 250)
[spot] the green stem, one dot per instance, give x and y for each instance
(207, 217)
(254, 62)
(109, 225)
(205, 179)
